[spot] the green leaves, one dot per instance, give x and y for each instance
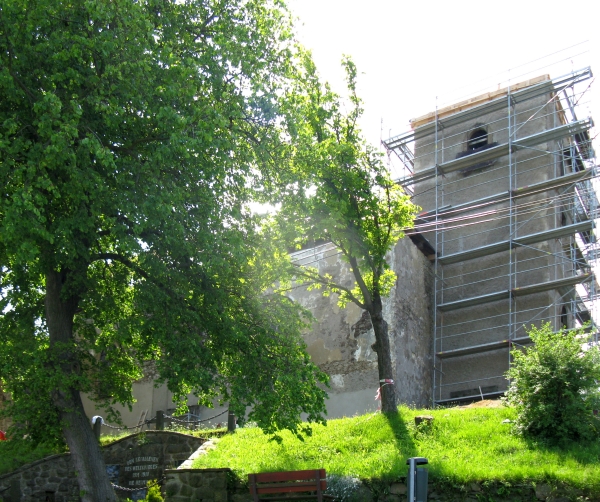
(555, 386)
(132, 135)
(338, 189)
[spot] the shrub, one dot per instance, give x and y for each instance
(153, 494)
(554, 386)
(343, 488)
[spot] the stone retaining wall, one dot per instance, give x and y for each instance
(131, 463)
(202, 485)
(215, 485)
(52, 476)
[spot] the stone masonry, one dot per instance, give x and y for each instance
(131, 462)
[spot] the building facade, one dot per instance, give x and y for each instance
(504, 180)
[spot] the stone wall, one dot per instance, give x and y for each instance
(202, 485)
(131, 463)
(340, 341)
(52, 478)
(216, 485)
(143, 457)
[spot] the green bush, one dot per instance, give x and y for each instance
(554, 386)
(153, 494)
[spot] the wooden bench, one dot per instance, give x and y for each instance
(290, 485)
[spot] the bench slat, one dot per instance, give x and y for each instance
(263, 477)
(290, 488)
(269, 483)
(294, 497)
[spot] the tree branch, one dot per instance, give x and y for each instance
(317, 278)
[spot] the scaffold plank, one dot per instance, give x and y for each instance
(549, 285)
(450, 210)
(486, 155)
(555, 133)
(552, 183)
(522, 291)
(525, 240)
(499, 151)
(475, 300)
(484, 347)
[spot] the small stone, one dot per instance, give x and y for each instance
(220, 496)
(475, 487)
(186, 491)
(363, 494)
(172, 488)
(391, 498)
(419, 419)
(543, 491)
(398, 489)
(507, 421)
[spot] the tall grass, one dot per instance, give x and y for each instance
(462, 445)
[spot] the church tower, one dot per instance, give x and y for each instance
(504, 180)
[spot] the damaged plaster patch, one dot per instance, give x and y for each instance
(321, 354)
(363, 325)
(337, 380)
(364, 336)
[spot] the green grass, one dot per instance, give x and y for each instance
(463, 446)
(200, 433)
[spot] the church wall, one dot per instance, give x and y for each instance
(340, 340)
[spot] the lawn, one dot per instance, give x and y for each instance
(463, 445)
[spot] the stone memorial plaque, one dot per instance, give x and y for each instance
(135, 460)
(140, 469)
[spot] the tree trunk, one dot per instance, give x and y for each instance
(384, 356)
(94, 485)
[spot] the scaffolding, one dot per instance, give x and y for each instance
(506, 182)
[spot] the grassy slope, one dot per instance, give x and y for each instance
(463, 445)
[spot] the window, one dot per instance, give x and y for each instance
(477, 139)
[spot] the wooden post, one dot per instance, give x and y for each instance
(160, 420)
(231, 422)
(98, 427)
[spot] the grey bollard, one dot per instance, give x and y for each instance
(231, 422)
(416, 481)
(160, 420)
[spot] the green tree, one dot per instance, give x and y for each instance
(339, 191)
(555, 385)
(132, 135)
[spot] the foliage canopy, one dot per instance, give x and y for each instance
(132, 136)
(341, 192)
